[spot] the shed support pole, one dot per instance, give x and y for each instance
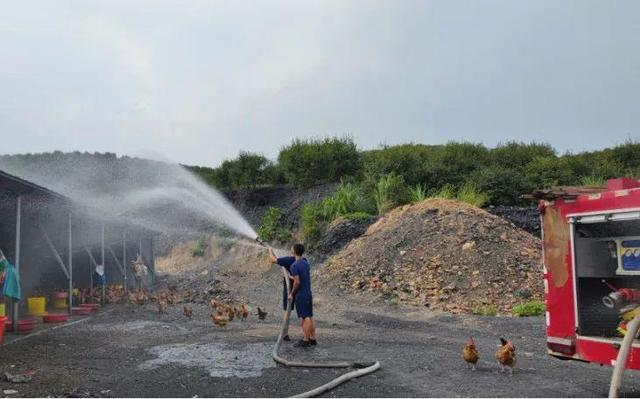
(124, 261)
(152, 262)
(15, 303)
(102, 301)
(70, 267)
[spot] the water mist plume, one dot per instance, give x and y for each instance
(160, 196)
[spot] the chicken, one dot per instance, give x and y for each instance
(244, 312)
(162, 305)
(506, 355)
(219, 321)
(172, 298)
(470, 354)
(231, 313)
(188, 311)
(261, 314)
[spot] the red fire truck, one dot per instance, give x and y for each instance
(591, 244)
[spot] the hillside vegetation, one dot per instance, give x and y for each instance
(503, 173)
(369, 182)
(373, 182)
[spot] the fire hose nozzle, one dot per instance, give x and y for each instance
(260, 242)
(613, 300)
(620, 297)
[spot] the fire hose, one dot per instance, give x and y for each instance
(361, 368)
(623, 353)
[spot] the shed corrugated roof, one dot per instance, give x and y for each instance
(19, 186)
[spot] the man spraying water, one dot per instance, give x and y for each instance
(299, 271)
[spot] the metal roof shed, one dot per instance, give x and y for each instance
(59, 231)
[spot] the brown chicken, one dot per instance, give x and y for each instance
(244, 312)
(470, 354)
(506, 355)
(219, 321)
(188, 311)
(261, 314)
(230, 312)
(162, 305)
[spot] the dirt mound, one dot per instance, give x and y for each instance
(445, 255)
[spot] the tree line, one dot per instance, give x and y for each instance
(502, 173)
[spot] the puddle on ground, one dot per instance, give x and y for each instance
(220, 360)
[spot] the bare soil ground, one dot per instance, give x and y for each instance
(132, 351)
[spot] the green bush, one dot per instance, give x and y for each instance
(247, 170)
(514, 155)
(417, 194)
(533, 308)
(487, 310)
(501, 185)
(309, 162)
(390, 192)
(407, 160)
(199, 247)
(272, 226)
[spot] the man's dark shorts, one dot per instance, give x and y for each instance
(304, 307)
(285, 298)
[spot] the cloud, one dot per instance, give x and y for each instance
(129, 50)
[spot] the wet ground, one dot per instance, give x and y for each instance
(133, 351)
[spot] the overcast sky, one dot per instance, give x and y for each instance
(198, 81)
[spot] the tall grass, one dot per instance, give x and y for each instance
(593, 181)
(446, 192)
(417, 194)
(347, 199)
(471, 195)
(311, 218)
(382, 194)
(468, 193)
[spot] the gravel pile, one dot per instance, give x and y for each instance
(445, 255)
(527, 218)
(339, 233)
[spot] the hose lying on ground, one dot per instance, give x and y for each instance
(623, 354)
(362, 368)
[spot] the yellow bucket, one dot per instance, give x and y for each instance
(36, 305)
(60, 303)
(2, 310)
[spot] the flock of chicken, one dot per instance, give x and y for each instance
(222, 314)
(506, 354)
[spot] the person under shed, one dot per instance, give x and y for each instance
(140, 270)
(9, 279)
